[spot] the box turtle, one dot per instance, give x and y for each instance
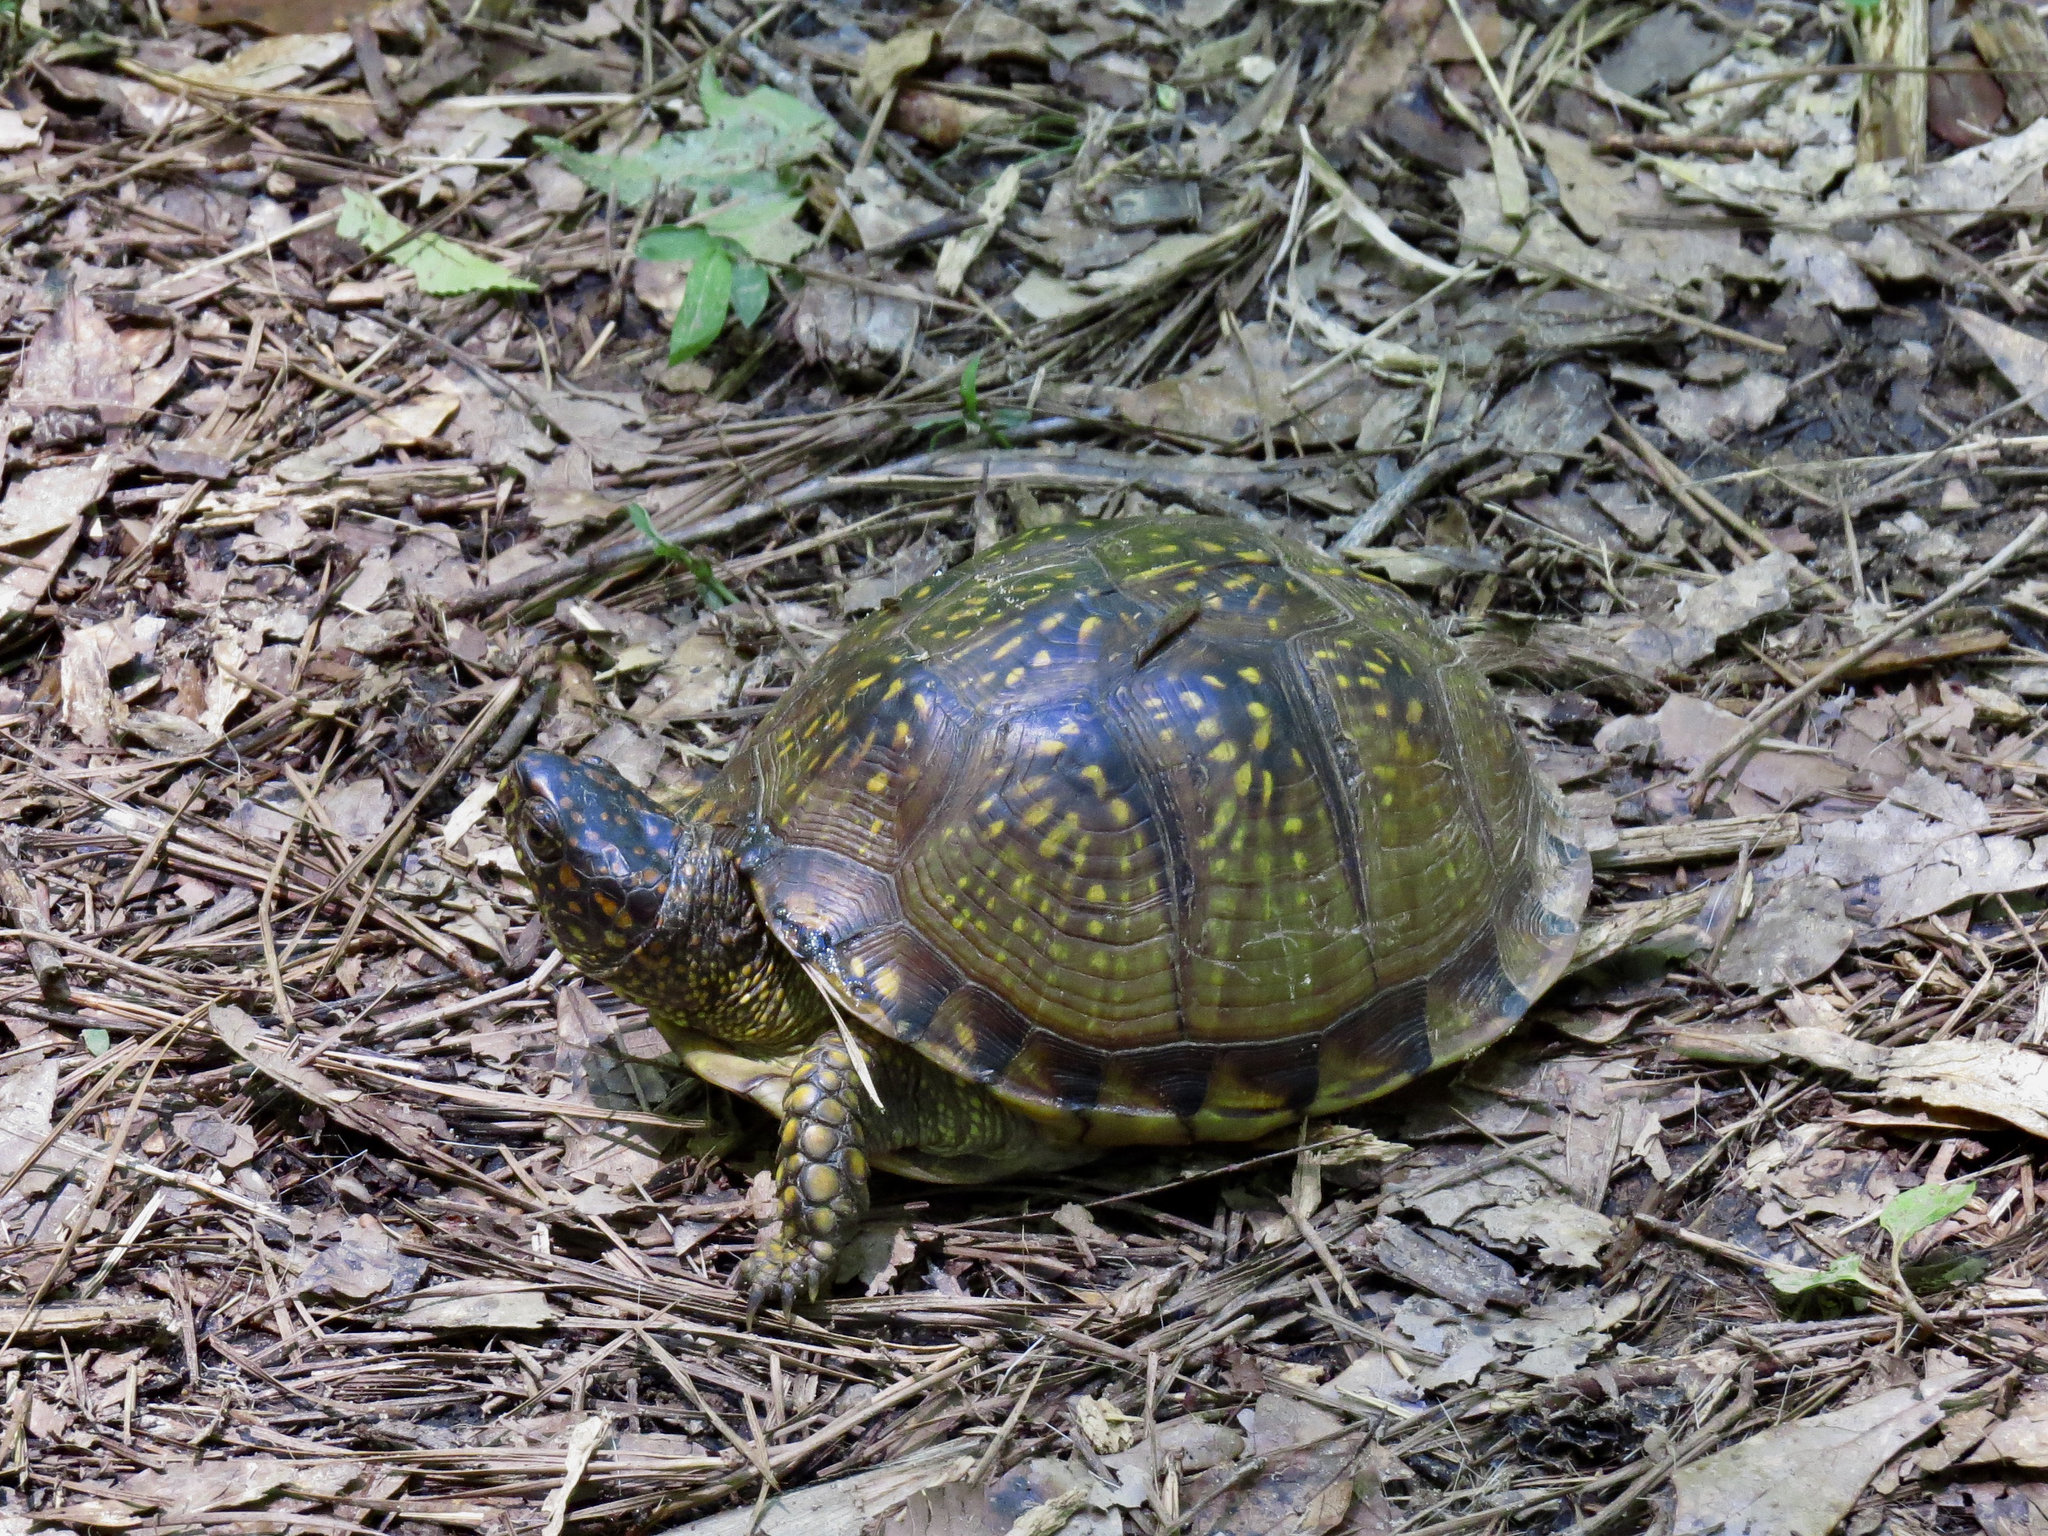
(1124, 832)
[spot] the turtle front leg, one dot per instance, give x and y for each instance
(830, 1127)
(821, 1178)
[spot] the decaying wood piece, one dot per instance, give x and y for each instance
(96, 1319)
(1935, 650)
(1698, 842)
(30, 911)
(1606, 934)
(1891, 39)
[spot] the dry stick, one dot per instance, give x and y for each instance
(21, 901)
(1766, 715)
(55, 1273)
(986, 1464)
(156, 846)
(290, 232)
(1321, 1250)
(1958, 441)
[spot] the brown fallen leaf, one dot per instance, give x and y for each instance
(1383, 52)
(2020, 1439)
(77, 362)
(940, 120)
(278, 17)
(51, 500)
(1986, 1079)
(1800, 1479)
(2023, 359)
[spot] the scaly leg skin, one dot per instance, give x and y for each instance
(821, 1179)
(830, 1125)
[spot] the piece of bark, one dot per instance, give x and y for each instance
(1892, 116)
(31, 911)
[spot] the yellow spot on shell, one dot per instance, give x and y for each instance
(878, 784)
(894, 689)
(1251, 675)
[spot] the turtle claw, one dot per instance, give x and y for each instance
(778, 1274)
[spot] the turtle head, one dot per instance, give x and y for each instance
(655, 908)
(601, 856)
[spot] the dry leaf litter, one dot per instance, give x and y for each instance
(392, 388)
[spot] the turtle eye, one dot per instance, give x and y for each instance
(540, 834)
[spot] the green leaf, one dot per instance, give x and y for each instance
(632, 179)
(637, 516)
(749, 290)
(1912, 1211)
(748, 141)
(970, 398)
(1946, 1272)
(669, 242)
(441, 266)
(763, 227)
(98, 1041)
(1845, 1271)
(702, 315)
(766, 110)
(716, 594)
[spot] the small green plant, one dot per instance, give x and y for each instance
(722, 276)
(1834, 1291)
(1913, 1211)
(716, 594)
(995, 424)
(1843, 1273)
(738, 171)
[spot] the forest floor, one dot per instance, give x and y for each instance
(389, 389)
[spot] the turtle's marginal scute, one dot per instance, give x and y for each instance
(1165, 830)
